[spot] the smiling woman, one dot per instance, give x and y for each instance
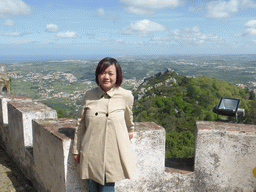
(108, 75)
(107, 79)
(101, 145)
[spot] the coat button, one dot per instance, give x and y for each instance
(107, 115)
(96, 114)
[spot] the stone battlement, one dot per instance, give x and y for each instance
(41, 145)
(225, 156)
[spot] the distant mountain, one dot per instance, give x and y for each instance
(176, 102)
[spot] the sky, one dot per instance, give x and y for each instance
(126, 27)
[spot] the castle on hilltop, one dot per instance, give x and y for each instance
(40, 144)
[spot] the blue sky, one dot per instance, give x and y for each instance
(127, 27)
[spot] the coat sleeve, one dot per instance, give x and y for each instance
(80, 128)
(128, 112)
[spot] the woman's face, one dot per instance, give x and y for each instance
(107, 79)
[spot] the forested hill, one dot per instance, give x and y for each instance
(176, 102)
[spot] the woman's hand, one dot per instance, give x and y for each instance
(77, 158)
(130, 135)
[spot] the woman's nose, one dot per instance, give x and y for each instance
(106, 76)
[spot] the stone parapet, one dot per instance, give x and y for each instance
(4, 112)
(21, 114)
(3, 105)
(53, 140)
(41, 145)
(148, 145)
(19, 131)
(225, 157)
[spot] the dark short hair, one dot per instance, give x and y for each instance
(104, 64)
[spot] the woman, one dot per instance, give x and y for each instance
(105, 125)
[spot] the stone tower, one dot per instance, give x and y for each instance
(4, 81)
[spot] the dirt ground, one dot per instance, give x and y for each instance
(11, 178)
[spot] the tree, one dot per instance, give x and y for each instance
(177, 107)
(252, 95)
(251, 116)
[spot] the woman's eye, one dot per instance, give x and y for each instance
(110, 74)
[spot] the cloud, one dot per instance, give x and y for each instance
(224, 9)
(67, 35)
(139, 11)
(8, 23)
(103, 40)
(250, 24)
(250, 32)
(142, 28)
(52, 28)
(114, 17)
(221, 9)
(120, 41)
(251, 29)
(91, 35)
(12, 8)
(248, 4)
(14, 34)
(193, 35)
(141, 7)
(112, 41)
(100, 11)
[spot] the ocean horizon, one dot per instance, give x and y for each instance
(33, 58)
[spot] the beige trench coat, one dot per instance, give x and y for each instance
(101, 137)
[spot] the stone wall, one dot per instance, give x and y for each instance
(225, 157)
(41, 145)
(55, 159)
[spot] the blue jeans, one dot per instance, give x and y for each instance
(96, 187)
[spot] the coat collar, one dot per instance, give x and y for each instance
(110, 93)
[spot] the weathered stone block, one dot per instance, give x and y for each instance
(53, 156)
(148, 145)
(3, 105)
(20, 115)
(26, 111)
(225, 157)
(4, 134)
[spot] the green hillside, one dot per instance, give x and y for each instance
(176, 102)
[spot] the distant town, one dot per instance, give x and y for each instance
(50, 92)
(70, 79)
